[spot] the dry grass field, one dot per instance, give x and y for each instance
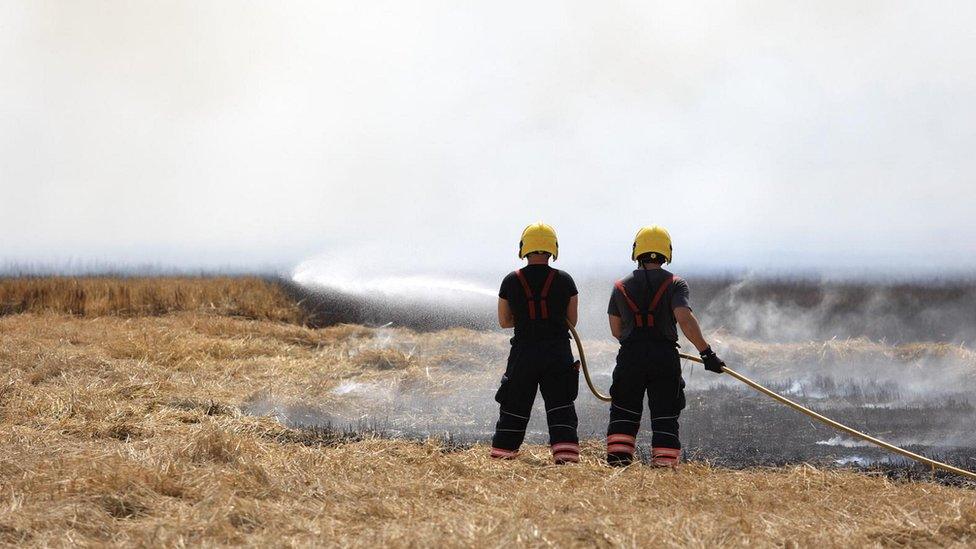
(121, 423)
(247, 297)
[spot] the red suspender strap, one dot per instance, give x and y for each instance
(657, 299)
(638, 320)
(545, 293)
(528, 293)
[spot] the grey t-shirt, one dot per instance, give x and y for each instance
(641, 285)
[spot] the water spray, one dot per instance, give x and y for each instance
(796, 406)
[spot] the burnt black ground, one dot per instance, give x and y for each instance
(726, 424)
(766, 309)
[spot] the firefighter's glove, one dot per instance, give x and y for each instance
(712, 362)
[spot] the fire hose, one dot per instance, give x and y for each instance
(796, 406)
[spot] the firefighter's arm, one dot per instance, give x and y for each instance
(572, 311)
(691, 329)
(615, 328)
(689, 326)
(505, 317)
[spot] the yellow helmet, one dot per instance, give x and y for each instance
(538, 237)
(653, 239)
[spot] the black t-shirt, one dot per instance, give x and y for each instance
(641, 286)
(561, 290)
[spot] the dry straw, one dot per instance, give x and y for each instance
(125, 429)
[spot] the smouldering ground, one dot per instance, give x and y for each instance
(125, 430)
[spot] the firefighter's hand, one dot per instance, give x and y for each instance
(712, 362)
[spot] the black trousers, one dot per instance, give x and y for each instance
(652, 368)
(545, 365)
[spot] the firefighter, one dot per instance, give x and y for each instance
(538, 301)
(645, 309)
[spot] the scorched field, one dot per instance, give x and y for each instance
(198, 411)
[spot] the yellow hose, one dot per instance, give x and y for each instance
(582, 363)
(798, 407)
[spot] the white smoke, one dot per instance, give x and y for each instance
(824, 136)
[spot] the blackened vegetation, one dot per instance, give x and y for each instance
(725, 425)
(728, 424)
(325, 306)
(939, 310)
(732, 426)
(327, 436)
(330, 435)
(753, 308)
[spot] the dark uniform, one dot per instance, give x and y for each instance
(647, 363)
(541, 358)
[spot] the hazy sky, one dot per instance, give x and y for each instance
(773, 134)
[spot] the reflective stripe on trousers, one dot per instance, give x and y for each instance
(645, 368)
(545, 366)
